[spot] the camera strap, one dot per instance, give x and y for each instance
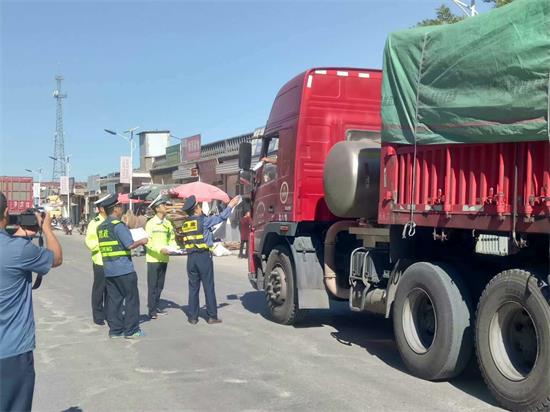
(38, 280)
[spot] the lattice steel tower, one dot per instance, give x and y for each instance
(59, 137)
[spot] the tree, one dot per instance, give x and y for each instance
(444, 15)
(498, 3)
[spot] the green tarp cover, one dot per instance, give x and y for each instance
(483, 80)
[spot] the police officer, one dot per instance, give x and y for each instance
(99, 291)
(161, 239)
(115, 243)
(197, 234)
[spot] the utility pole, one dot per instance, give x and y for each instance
(59, 167)
(470, 10)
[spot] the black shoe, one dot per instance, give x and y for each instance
(161, 312)
(99, 322)
(213, 321)
(152, 315)
(192, 321)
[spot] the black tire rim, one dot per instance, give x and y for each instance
(513, 341)
(276, 286)
(419, 321)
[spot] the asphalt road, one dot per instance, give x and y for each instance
(335, 360)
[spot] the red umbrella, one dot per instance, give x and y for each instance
(124, 199)
(202, 191)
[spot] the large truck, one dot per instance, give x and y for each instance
(421, 193)
(18, 191)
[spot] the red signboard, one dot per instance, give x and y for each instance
(190, 148)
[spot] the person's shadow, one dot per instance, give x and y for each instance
(372, 332)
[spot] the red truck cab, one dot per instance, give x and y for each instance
(311, 113)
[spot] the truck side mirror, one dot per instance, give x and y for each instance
(245, 156)
(246, 177)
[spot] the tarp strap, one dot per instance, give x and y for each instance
(410, 227)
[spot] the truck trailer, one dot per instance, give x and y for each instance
(18, 191)
(421, 193)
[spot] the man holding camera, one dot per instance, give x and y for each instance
(115, 245)
(19, 257)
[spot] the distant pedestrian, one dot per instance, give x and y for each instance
(99, 290)
(245, 226)
(161, 240)
(115, 244)
(19, 257)
(198, 238)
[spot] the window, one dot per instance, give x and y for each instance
(270, 151)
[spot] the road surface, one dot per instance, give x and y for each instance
(335, 360)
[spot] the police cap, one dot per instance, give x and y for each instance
(189, 204)
(107, 201)
(160, 200)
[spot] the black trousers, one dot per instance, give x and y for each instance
(123, 290)
(17, 382)
(243, 249)
(200, 269)
(156, 274)
(99, 294)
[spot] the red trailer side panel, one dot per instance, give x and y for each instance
(18, 191)
(470, 186)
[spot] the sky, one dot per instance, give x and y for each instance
(208, 67)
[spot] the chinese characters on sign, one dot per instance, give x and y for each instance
(125, 169)
(190, 148)
(64, 185)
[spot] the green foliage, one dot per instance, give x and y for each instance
(444, 15)
(498, 3)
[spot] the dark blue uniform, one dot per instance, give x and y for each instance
(121, 278)
(198, 237)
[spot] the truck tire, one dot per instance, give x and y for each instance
(513, 341)
(432, 321)
(280, 287)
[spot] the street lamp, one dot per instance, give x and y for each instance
(132, 148)
(39, 173)
(67, 161)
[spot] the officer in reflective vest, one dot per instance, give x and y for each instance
(115, 243)
(198, 238)
(99, 291)
(161, 240)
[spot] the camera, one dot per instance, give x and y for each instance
(26, 219)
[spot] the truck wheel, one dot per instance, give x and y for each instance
(280, 290)
(513, 341)
(432, 322)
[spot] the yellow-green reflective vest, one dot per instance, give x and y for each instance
(92, 241)
(161, 234)
(109, 246)
(193, 236)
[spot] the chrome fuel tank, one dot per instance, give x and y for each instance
(352, 179)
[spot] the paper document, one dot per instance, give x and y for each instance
(138, 234)
(257, 166)
(174, 250)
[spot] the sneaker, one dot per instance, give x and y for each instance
(136, 335)
(192, 321)
(161, 312)
(152, 315)
(213, 321)
(99, 322)
(116, 335)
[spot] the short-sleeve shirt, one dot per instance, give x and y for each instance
(19, 258)
(121, 265)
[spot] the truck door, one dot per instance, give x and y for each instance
(267, 177)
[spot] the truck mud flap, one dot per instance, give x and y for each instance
(309, 275)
